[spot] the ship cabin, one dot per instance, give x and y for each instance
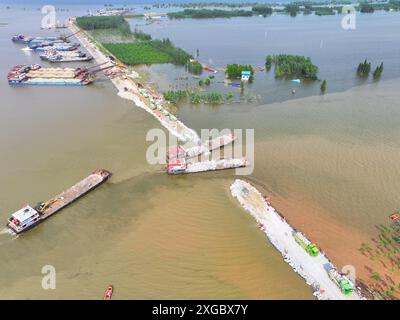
(176, 152)
(176, 166)
(23, 218)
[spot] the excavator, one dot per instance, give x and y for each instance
(42, 206)
(65, 38)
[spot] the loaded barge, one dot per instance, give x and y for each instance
(179, 159)
(36, 75)
(43, 47)
(65, 56)
(28, 39)
(28, 217)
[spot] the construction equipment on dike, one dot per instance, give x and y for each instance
(28, 217)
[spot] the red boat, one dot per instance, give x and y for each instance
(395, 216)
(108, 293)
(208, 69)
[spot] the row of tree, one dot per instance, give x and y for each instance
(195, 97)
(364, 69)
(234, 71)
(194, 67)
(104, 22)
(287, 65)
(208, 13)
(262, 9)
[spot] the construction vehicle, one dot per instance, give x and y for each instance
(42, 206)
(311, 248)
(344, 284)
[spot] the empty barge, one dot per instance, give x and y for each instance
(28, 217)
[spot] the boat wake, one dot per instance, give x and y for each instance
(7, 231)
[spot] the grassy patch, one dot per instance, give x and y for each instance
(137, 53)
(131, 48)
(148, 52)
(111, 36)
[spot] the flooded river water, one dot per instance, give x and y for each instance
(330, 163)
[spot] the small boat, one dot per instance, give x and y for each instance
(395, 216)
(296, 80)
(208, 69)
(233, 84)
(108, 293)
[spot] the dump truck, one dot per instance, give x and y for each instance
(311, 248)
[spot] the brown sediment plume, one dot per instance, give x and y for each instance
(343, 244)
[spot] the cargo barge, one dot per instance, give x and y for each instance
(28, 217)
(28, 39)
(209, 146)
(36, 75)
(180, 160)
(56, 46)
(181, 165)
(65, 56)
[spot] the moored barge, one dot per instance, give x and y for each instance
(36, 75)
(28, 39)
(65, 56)
(28, 217)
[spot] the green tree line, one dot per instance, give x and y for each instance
(292, 66)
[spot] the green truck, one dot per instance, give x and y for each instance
(311, 248)
(344, 284)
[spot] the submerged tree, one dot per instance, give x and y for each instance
(378, 72)
(194, 67)
(364, 68)
(324, 85)
(234, 71)
(366, 8)
(287, 66)
(268, 62)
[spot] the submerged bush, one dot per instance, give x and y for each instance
(287, 65)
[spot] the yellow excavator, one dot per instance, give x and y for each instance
(119, 64)
(116, 62)
(42, 206)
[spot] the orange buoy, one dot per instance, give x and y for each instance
(108, 293)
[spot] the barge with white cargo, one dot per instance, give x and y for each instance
(65, 56)
(28, 217)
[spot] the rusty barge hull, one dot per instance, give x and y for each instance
(74, 193)
(66, 198)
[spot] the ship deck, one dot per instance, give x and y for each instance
(76, 191)
(66, 73)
